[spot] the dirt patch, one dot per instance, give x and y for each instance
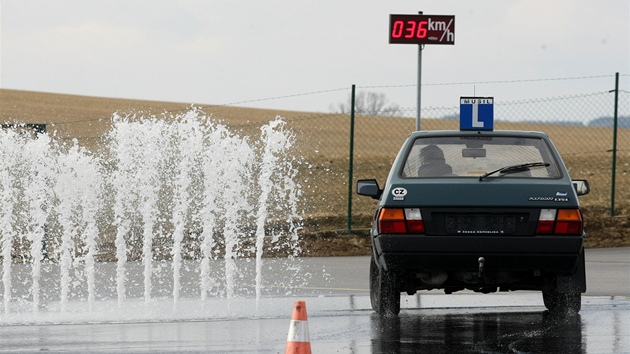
(333, 244)
(602, 230)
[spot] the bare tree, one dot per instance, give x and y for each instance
(367, 103)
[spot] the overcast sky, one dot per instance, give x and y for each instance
(225, 52)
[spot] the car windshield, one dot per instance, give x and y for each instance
(475, 156)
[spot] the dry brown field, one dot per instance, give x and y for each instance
(322, 143)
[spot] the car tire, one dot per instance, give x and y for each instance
(561, 304)
(384, 291)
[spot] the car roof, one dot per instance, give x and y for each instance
(515, 133)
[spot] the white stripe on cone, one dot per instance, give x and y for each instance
(298, 331)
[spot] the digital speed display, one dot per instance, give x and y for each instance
(422, 29)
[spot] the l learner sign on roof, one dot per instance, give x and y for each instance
(476, 113)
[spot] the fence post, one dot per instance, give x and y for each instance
(614, 149)
(351, 160)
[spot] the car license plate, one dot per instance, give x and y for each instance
(481, 224)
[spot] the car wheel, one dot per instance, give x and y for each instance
(384, 291)
(558, 303)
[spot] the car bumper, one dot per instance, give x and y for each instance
(558, 254)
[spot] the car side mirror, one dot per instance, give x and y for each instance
(581, 186)
(369, 187)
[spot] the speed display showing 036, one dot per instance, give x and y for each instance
(422, 29)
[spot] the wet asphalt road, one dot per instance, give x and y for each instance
(340, 321)
(602, 327)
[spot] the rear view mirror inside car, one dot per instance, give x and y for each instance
(474, 153)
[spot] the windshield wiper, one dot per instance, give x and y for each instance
(515, 169)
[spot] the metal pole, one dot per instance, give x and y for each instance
(420, 47)
(351, 160)
(614, 149)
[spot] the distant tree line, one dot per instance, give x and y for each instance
(376, 103)
(622, 122)
(367, 103)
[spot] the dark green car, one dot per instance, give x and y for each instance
(485, 211)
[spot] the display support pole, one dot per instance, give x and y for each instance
(420, 47)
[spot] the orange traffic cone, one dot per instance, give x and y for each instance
(298, 341)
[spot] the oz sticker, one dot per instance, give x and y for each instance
(399, 193)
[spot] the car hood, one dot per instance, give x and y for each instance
(490, 192)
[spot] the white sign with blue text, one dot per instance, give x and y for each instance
(476, 113)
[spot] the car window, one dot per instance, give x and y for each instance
(472, 156)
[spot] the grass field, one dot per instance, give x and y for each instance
(322, 143)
